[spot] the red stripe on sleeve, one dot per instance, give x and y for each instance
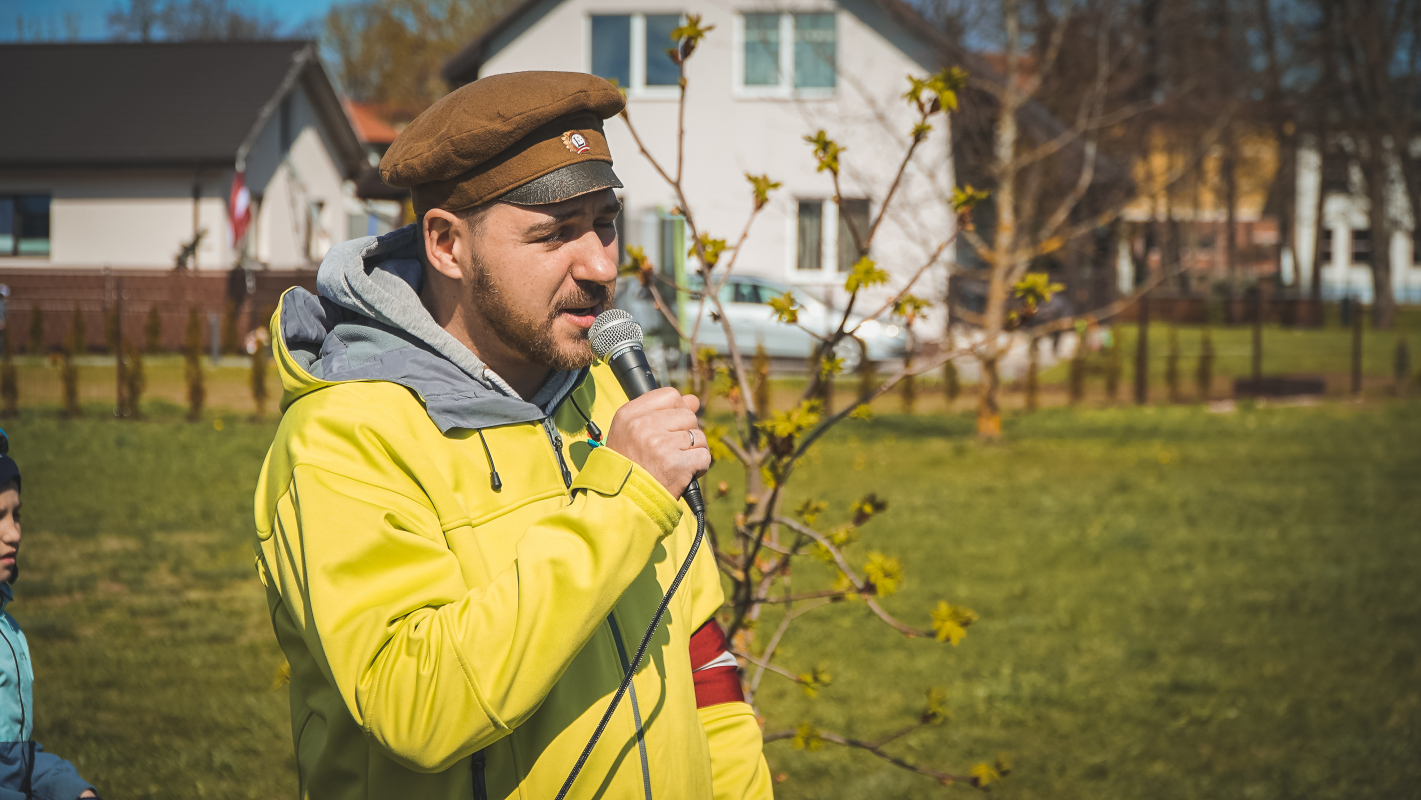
(707, 643)
(718, 684)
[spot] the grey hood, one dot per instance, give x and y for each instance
(367, 323)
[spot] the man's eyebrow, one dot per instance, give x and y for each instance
(556, 218)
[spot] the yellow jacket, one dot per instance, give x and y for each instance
(450, 639)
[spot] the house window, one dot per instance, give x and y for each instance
(660, 69)
(318, 241)
(612, 49)
(852, 210)
(762, 49)
(823, 233)
(1361, 247)
(808, 66)
(814, 51)
(811, 236)
(1326, 257)
(631, 49)
(24, 225)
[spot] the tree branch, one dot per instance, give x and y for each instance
(877, 749)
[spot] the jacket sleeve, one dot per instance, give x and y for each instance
(738, 768)
(53, 778)
(431, 669)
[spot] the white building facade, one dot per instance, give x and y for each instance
(77, 193)
(766, 77)
(1347, 239)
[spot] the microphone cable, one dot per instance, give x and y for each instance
(698, 508)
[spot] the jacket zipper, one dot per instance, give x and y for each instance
(555, 438)
(480, 786)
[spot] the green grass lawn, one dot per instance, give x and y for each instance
(1175, 604)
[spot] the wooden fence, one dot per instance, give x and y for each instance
(58, 291)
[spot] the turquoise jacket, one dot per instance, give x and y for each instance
(26, 770)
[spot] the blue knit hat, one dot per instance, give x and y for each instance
(9, 470)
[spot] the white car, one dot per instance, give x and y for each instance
(746, 300)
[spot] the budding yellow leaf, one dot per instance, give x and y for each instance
(761, 186)
(864, 273)
(806, 737)
(785, 308)
(965, 198)
(985, 774)
(950, 622)
(885, 572)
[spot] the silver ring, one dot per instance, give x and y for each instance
(693, 437)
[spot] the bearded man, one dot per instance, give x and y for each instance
(456, 569)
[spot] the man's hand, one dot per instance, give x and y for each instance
(659, 431)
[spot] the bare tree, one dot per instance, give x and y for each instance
(1374, 47)
(391, 51)
(766, 539)
(139, 21)
(190, 20)
(1105, 69)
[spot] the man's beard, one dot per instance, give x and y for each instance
(529, 335)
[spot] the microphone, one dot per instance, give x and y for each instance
(616, 338)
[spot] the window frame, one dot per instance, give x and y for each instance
(637, 90)
(15, 232)
(828, 271)
(786, 89)
(1360, 250)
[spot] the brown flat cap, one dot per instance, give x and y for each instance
(528, 137)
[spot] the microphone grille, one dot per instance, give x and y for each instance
(613, 329)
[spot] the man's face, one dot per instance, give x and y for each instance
(541, 274)
(9, 533)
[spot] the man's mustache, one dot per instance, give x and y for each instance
(590, 295)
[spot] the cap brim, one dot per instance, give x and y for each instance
(573, 180)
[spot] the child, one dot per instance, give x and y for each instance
(26, 770)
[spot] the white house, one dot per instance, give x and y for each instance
(119, 155)
(1347, 241)
(768, 75)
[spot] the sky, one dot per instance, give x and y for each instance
(54, 18)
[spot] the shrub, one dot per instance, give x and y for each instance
(36, 343)
(192, 366)
(1204, 376)
(153, 332)
(9, 381)
(761, 367)
(229, 328)
(134, 381)
(1171, 365)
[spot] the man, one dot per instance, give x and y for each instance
(26, 770)
(457, 573)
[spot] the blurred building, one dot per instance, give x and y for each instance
(766, 78)
(118, 162)
(375, 207)
(122, 154)
(1181, 218)
(1346, 247)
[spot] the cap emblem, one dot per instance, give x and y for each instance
(576, 142)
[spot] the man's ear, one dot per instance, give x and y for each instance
(445, 238)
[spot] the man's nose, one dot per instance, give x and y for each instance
(592, 262)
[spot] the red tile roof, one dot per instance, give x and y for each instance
(370, 122)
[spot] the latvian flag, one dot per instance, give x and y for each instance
(239, 205)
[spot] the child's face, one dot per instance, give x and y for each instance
(9, 533)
